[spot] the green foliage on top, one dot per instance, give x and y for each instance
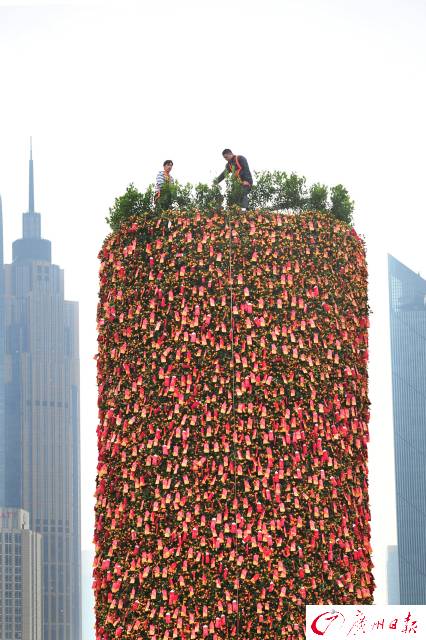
(275, 190)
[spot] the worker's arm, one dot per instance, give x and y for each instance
(222, 175)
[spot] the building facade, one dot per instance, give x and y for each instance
(392, 575)
(20, 577)
(2, 423)
(88, 597)
(42, 417)
(407, 294)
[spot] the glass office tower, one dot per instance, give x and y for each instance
(407, 293)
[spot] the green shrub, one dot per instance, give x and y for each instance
(132, 203)
(207, 197)
(318, 197)
(274, 190)
(341, 205)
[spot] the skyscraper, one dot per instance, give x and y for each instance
(2, 423)
(407, 294)
(20, 577)
(42, 417)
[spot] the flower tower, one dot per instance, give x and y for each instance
(232, 477)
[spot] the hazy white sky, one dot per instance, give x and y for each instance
(332, 89)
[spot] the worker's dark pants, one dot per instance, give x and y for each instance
(244, 198)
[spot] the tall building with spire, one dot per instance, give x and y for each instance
(42, 417)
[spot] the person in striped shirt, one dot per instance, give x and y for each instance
(163, 177)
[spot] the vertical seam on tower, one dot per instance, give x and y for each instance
(234, 434)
